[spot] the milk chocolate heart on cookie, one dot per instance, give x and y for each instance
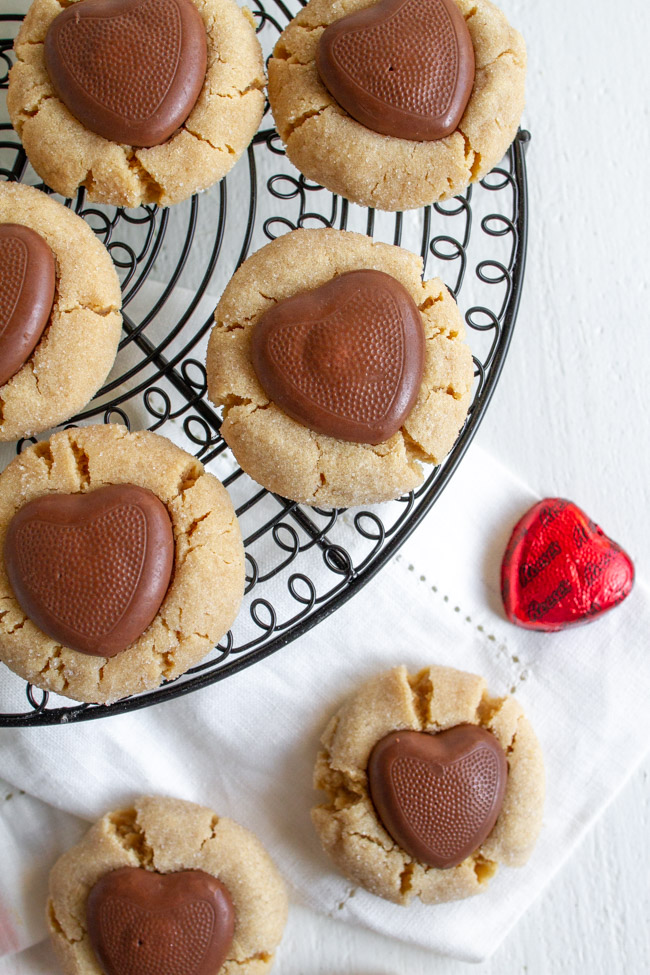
(345, 359)
(129, 70)
(560, 569)
(91, 570)
(439, 795)
(145, 923)
(403, 68)
(27, 283)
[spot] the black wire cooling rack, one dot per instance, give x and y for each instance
(302, 562)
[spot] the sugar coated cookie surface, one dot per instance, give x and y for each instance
(207, 570)
(431, 783)
(166, 886)
(77, 347)
(287, 456)
(377, 170)
(224, 119)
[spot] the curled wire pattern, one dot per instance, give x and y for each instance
(301, 562)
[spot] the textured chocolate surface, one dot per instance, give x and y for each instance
(145, 923)
(129, 70)
(345, 359)
(403, 68)
(91, 570)
(27, 284)
(438, 796)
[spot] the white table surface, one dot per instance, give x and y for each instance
(568, 417)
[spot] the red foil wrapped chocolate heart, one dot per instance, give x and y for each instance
(27, 284)
(129, 70)
(560, 569)
(91, 570)
(403, 68)
(145, 923)
(345, 359)
(440, 795)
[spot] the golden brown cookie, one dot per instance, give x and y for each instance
(78, 347)
(223, 121)
(163, 837)
(432, 701)
(330, 147)
(207, 580)
(287, 457)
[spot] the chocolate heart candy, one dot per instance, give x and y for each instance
(144, 923)
(91, 570)
(560, 569)
(345, 359)
(438, 796)
(401, 67)
(27, 282)
(129, 70)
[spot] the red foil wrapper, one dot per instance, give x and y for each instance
(560, 569)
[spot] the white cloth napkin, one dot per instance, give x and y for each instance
(246, 746)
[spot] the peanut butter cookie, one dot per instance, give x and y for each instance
(379, 170)
(166, 886)
(67, 154)
(76, 348)
(93, 565)
(431, 784)
(338, 370)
